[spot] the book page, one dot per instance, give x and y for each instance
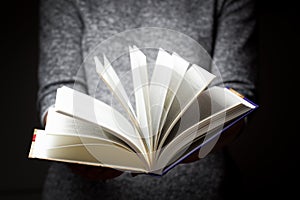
(96, 152)
(111, 79)
(84, 107)
(141, 92)
(217, 106)
(196, 79)
(180, 67)
(59, 123)
(160, 81)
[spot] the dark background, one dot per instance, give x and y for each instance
(266, 155)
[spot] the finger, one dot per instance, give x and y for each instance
(134, 174)
(94, 172)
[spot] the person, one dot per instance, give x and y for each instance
(68, 31)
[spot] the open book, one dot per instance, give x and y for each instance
(175, 114)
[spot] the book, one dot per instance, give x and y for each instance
(176, 113)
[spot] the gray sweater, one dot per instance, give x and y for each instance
(70, 29)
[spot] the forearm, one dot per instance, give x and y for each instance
(235, 48)
(225, 139)
(60, 52)
(235, 62)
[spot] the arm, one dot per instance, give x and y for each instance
(235, 46)
(60, 51)
(234, 54)
(60, 60)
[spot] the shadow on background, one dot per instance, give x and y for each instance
(21, 178)
(265, 154)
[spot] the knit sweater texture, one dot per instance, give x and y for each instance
(70, 29)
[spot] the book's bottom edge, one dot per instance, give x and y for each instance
(120, 168)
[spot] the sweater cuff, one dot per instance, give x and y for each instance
(46, 98)
(47, 102)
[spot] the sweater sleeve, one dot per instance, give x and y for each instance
(60, 57)
(235, 53)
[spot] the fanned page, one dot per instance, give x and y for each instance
(62, 124)
(216, 106)
(141, 92)
(160, 81)
(195, 80)
(84, 107)
(180, 67)
(71, 132)
(94, 151)
(111, 79)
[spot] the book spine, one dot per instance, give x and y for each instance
(31, 151)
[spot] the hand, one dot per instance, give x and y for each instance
(192, 158)
(45, 119)
(228, 136)
(94, 173)
(225, 139)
